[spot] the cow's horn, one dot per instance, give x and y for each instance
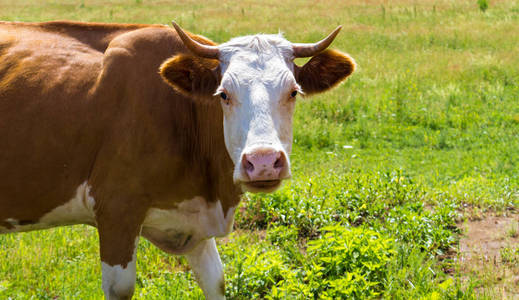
(197, 48)
(307, 50)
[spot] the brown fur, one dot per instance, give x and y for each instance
(84, 102)
(324, 71)
(191, 76)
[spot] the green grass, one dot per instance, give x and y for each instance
(431, 124)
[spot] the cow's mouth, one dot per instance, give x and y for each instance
(263, 186)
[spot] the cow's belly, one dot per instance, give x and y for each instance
(175, 231)
(78, 210)
(178, 230)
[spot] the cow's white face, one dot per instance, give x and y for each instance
(258, 91)
(256, 81)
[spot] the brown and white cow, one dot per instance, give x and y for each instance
(91, 133)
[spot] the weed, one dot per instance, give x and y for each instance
(483, 5)
(509, 255)
(513, 230)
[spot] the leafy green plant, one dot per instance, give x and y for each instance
(342, 262)
(347, 262)
(483, 5)
(254, 271)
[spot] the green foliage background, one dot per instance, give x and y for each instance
(425, 133)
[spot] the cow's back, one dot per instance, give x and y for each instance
(50, 115)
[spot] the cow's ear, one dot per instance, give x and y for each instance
(190, 75)
(324, 71)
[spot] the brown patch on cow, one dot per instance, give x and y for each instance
(119, 227)
(481, 250)
(46, 148)
(191, 75)
(324, 71)
(97, 35)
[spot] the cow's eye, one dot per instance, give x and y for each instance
(225, 98)
(293, 94)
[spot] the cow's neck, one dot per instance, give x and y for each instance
(204, 151)
(214, 156)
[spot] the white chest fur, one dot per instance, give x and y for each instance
(178, 230)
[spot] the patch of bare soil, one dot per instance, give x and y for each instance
(489, 255)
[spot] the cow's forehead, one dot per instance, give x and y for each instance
(256, 58)
(262, 50)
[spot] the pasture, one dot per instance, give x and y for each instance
(387, 168)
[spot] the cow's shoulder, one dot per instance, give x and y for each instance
(142, 49)
(133, 59)
(153, 42)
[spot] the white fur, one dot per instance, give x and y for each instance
(257, 76)
(78, 210)
(207, 266)
(196, 217)
(119, 281)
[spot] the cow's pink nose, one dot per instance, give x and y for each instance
(264, 164)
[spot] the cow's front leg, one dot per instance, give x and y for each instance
(119, 280)
(118, 237)
(205, 262)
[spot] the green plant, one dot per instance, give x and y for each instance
(483, 5)
(342, 262)
(509, 255)
(254, 271)
(513, 230)
(348, 262)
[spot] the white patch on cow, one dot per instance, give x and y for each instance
(119, 281)
(257, 76)
(191, 221)
(78, 210)
(207, 266)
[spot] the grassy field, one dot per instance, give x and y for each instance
(424, 135)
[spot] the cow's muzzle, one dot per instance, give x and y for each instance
(263, 169)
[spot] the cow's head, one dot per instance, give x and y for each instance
(256, 81)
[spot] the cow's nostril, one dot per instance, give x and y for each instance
(249, 167)
(279, 163)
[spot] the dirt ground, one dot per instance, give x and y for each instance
(489, 255)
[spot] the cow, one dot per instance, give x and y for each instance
(147, 130)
